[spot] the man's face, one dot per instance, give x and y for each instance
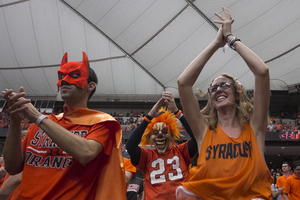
(160, 137)
(297, 171)
(74, 73)
(285, 168)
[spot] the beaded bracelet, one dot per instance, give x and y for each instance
(232, 42)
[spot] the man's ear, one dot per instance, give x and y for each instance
(91, 86)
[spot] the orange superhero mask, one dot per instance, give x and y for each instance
(75, 73)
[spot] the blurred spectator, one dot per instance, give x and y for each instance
(290, 126)
(132, 126)
(282, 115)
(271, 127)
(135, 190)
(286, 169)
(292, 185)
(273, 120)
(131, 120)
(279, 127)
(275, 190)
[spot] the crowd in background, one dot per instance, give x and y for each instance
(284, 125)
(132, 119)
(128, 122)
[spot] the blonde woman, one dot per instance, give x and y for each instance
(231, 139)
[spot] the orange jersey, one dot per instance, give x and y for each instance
(230, 168)
(292, 187)
(128, 166)
(280, 183)
(164, 172)
(50, 173)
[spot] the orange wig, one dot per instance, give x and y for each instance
(169, 119)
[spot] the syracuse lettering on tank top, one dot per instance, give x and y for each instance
(229, 150)
(230, 168)
(43, 152)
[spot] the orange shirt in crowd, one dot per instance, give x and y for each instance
(129, 167)
(292, 187)
(279, 127)
(280, 183)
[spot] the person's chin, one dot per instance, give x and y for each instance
(161, 151)
(65, 96)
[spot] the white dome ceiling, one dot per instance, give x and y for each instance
(138, 48)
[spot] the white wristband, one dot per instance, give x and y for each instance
(180, 116)
(40, 119)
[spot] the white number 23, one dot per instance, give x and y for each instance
(157, 176)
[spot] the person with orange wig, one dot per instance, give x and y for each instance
(167, 165)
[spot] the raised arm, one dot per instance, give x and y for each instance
(260, 71)
(12, 152)
(259, 117)
(79, 148)
(133, 142)
(186, 81)
(170, 102)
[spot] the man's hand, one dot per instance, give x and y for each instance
(280, 190)
(16, 104)
(154, 112)
(170, 101)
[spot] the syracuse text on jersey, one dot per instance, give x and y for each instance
(55, 157)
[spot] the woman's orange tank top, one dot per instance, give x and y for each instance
(230, 168)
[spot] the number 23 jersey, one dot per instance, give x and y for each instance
(163, 173)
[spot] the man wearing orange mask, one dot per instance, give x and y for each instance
(73, 155)
(167, 165)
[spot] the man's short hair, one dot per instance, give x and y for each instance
(286, 163)
(92, 78)
(296, 164)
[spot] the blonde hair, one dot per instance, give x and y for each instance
(169, 119)
(244, 105)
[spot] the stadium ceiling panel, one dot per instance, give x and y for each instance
(139, 48)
